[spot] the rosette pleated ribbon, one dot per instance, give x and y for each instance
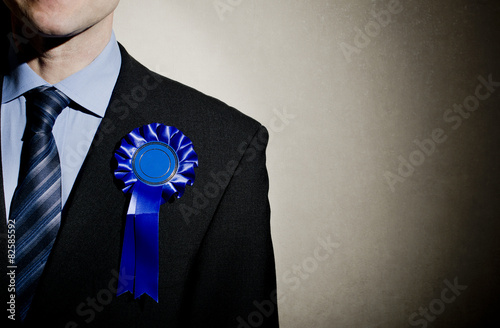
(155, 163)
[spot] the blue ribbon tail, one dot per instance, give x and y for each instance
(127, 265)
(146, 239)
(147, 268)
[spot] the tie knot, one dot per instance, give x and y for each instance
(43, 105)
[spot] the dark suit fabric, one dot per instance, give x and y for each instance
(216, 255)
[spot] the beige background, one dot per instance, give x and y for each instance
(348, 120)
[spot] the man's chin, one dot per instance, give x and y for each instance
(56, 31)
(44, 27)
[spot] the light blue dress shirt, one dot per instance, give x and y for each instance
(74, 130)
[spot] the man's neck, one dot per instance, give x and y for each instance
(54, 59)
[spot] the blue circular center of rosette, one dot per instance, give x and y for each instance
(155, 163)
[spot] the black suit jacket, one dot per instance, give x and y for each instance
(216, 256)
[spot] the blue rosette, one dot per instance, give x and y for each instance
(155, 163)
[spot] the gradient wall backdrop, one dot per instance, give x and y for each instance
(383, 158)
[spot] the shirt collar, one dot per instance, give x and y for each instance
(91, 87)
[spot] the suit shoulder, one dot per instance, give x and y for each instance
(208, 107)
(179, 102)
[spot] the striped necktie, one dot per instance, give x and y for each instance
(36, 204)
